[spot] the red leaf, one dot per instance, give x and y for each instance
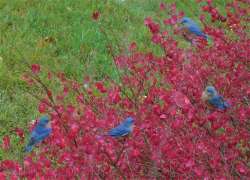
(100, 87)
(135, 153)
(80, 98)
(20, 133)
(198, 171)
(95, 15)
(148, 21)
(153, 27)
(156, 38)
(6, 142)
(114, 96)
(74, 129)
(165, 33)
(49, 93)
(65, 90)
(49, 75)
(42, 107)
(132, 46)
(190, 163)
(178, 123)
(35, 68)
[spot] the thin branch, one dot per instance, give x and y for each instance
(114, 165)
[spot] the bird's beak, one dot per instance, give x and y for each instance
(180, 21)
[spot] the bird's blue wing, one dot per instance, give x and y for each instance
(40, 133)
(36, 137)
(226, 104)
(223, 105)
(196, 30)
(43, 134)
(219, 102)
(119, 131)
(31, 142)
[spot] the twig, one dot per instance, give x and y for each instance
(115, 165)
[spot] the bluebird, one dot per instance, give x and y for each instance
(123, 129)
(191, 30)
(211, 95)
(39, 133)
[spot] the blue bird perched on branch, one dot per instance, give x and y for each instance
(39, 133)
(125, 128)
(191, 30)
(211, 95)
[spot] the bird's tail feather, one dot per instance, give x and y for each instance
(28, 148)
(226, 104)
(205, 36)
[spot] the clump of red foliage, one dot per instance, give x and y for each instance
(95, 15)
(176, 135)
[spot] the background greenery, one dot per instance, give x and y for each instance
(61, 36)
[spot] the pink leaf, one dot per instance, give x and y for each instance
(242, 169)
(181, 100)
(2, 176)
(163, 116)
(162, 6)
(132, 46)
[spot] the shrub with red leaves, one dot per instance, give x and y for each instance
(176, 135)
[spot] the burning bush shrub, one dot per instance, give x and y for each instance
(176, 135)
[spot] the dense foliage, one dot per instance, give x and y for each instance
(177, 136)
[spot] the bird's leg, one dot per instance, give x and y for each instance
(122, 139)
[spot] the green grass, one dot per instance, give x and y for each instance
(79, 47)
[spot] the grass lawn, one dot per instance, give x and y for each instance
(61, 36)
